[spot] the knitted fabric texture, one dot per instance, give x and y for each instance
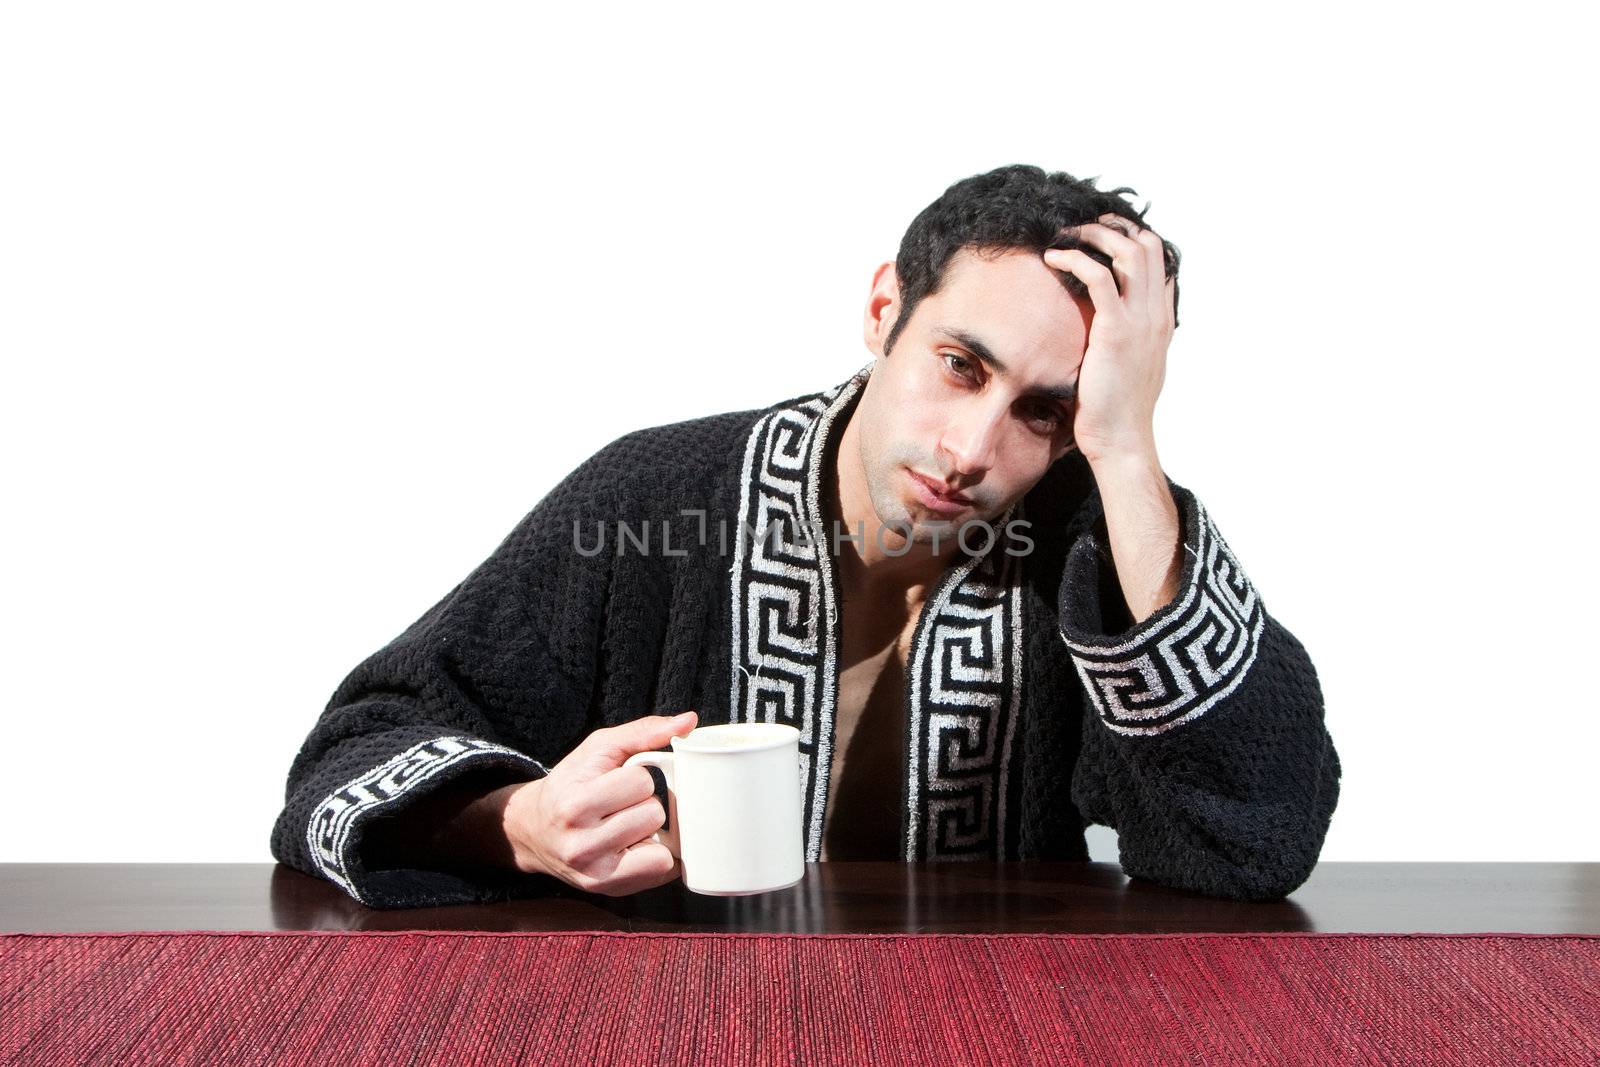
(674, 570)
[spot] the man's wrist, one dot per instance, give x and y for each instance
(1144, 527)
(462, 823)
(1133, 461)
(510, 805)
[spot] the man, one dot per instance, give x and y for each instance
(961, 574)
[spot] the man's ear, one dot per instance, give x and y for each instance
(883, 307)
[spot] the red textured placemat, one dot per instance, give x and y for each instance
(586, 998)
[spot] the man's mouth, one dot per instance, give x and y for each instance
(936, 497)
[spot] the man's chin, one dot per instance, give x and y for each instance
(925, 529)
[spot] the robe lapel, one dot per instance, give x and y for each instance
(963, 700)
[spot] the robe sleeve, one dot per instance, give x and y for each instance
(1203, 742)
(494, 682)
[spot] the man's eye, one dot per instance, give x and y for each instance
(1048, 418)
(960, 365)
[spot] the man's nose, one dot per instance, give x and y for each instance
(972, 439)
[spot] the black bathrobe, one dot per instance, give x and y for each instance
(690, 566)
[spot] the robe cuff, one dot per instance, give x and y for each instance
(1181, 661)
(334, 830)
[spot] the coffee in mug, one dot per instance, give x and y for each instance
(734, 803)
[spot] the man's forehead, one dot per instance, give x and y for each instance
(1018, 317)
(971, 262)
(1016, 284)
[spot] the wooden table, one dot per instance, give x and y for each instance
(838, 897)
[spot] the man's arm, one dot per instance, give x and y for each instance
(459, 825)
(585, 822)
(1143, 528)
(1203, 741)
(493, 685)
(1206, 749)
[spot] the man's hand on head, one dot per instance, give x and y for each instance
(1125, 362)
(1124, 365)
(589, 821)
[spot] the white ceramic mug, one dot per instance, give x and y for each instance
(734, 807)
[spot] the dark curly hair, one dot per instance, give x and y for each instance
(1013, 207)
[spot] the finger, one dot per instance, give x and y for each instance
(1155, 265)
(1171, 290)
(609, 747)
(616, 790)
(1094, 275)
(626, 828)
(584, 804)
(1154, 258)
(1154, 251)
(1110, 235)
(644, 866)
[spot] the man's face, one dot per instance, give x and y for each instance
(976, 397)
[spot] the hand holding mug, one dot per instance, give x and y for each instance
(590, 822)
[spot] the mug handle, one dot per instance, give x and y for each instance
(668, 834)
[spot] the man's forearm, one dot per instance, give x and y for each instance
(459, 825)
(1145, 530)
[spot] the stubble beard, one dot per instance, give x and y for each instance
(886, 481)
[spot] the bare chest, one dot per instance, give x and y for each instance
(869, 665)
(868, 761)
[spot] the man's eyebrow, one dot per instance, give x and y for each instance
(974, 345)
(1065, 394)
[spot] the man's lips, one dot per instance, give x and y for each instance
(936, 497)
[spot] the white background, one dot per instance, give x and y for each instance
(303, 306)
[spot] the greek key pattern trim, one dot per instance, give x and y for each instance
(966, 697)
(784, 638)
(1194, 657)
(328, 831)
